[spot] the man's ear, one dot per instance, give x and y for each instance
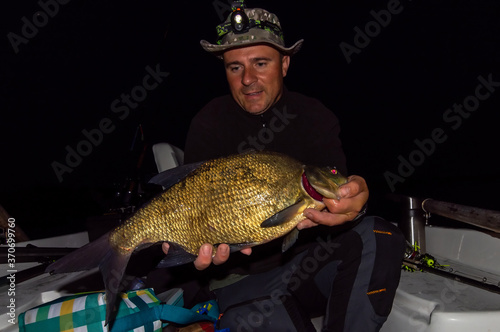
(285, 63)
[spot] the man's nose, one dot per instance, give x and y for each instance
(249, 77)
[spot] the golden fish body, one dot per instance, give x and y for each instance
(224, 201)
(242, 200)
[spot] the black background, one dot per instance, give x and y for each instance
(395, 90)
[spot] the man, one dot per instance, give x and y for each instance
(351, 279)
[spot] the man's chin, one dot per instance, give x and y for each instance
(255, 111)
(254, 108)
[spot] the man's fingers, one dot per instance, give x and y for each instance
(204, 258)
(246, 251)
(324, 218)
(221, 255)
(165, 246)
(306, 223)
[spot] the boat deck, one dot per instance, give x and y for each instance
(426, 302)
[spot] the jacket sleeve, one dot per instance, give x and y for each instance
(200, 141)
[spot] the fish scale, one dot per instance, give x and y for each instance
(242, 200)
(231, 197)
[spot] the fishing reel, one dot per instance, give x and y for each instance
(414, 259)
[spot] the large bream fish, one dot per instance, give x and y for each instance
(242, 200)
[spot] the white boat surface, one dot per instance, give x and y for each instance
(426, 302)
(39, 289)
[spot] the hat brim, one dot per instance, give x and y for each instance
(218, 50)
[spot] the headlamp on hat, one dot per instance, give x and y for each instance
(245, 27)
(240, 23)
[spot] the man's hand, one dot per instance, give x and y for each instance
(353, 196)
(205, 257)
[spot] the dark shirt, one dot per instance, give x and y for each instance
(296, 125)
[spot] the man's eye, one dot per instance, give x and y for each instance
(234, 68)
(261, 64)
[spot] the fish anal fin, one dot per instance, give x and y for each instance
(285, 215)
(234, 247)
(176, 256)
(290, 239)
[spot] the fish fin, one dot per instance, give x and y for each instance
(85, 258)
(234, 247)
(284, 215)
(100, 254)
(176, 256)
(112, 269)
(168, 178)
(290, 239)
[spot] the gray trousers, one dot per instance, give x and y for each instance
(349, 278)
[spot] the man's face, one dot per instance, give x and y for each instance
(255, 75)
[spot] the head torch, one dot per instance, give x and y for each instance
(246, 27)
(239, 23)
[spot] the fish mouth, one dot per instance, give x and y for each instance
(310, 189)
(324, 181)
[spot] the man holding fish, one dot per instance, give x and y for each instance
(345, 266)
(354, 287)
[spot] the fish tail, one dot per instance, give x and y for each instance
(112, 269)
(85, 258)
(98, 253)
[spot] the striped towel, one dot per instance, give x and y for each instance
(87, 312)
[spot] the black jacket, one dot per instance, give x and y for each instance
(296, 125)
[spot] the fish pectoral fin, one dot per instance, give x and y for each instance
(168, 178)
(290, 240)
(285, 215)
(176, 256)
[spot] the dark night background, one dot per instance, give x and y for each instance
(64, 79)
